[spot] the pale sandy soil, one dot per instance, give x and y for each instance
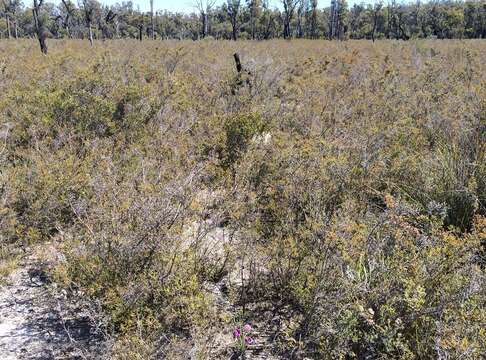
(39, 321)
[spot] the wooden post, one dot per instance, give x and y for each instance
(238, 62)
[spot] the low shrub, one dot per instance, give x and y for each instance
(337, 204)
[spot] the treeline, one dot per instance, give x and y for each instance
(250, 19)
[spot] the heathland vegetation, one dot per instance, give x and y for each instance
(326, 201)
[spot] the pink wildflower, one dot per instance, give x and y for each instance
(248, 340)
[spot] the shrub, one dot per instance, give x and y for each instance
(337, 204)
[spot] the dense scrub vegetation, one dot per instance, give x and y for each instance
(248, 19)
(332, 195)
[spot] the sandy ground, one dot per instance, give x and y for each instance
(38, 321)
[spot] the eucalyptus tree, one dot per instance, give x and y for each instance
(88, 7)
(39, 25)
(70, 10)
(233, 10)
(255, 10)
(152, 22)
(5, 11)
(204, 8)
(289, 7)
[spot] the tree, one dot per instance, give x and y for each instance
(342, 18)
(339, 19)
(204, 7)
(6, 10)
(269, 21)
(15, 9)
(333, 19)
(376, 14)
(313, 19)
(70, 10)
(39, 26)
(301, 9)
(140, 26)
(233, 10)
(289, 10)
(105, 22)
(475, 19)
(395, 17)
(254, 18)
(255, 12)
(152, 24)
(88, 9)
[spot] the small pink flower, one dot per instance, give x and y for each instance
(247, 328)
(236, 333)
(248, 340)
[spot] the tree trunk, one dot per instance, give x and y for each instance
(41, 33)
(234, 30)
(314, 21)
(66, 26)
(205, 24)
(153, 27)
(374, 27)
(7, 20)
(152, 24)
(90, 33)
(286, 28)
(266, 35)
(252, 24)
(300, 27)
(388, 23)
